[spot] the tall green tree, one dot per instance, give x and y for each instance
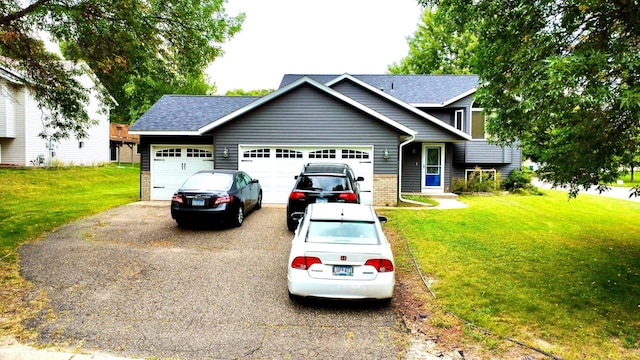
(561, 76)
(435, 49)
(138, 49)
(256, 92)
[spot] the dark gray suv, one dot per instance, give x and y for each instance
(318, 183)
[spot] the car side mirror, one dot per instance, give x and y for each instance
(360, 178)
(382, 219)
(255, 181)
(295, 177)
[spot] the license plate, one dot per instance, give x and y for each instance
(343, 270)
(197, 202)
(322, 200)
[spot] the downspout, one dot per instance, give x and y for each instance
(402, 145)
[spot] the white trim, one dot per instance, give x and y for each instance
(456, 120)
(285, 89)
(406, 106)
(432, 189)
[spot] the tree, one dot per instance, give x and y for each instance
(561, 76)
(138, 49)
(240, 92)
(434, 49)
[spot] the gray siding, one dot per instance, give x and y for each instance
(427, 131)
(481, 152)
(307, 116)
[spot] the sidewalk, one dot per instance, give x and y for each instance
(615, 192)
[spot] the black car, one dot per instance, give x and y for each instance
(318, 183)
(225, 195)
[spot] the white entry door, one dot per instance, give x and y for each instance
(433, 168)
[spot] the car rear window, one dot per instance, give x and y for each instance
(342, 232)
(322, 183)
(208, 181)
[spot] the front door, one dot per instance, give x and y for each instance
(433, 168)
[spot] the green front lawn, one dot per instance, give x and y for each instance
(562, 275)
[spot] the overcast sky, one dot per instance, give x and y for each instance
(313, 37)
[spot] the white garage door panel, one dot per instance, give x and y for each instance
(172, 165)
(276, 166)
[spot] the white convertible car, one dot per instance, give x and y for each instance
(339, 251)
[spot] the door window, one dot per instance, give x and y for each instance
(433, 166)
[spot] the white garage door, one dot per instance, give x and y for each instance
(276, 166)
(171, 165)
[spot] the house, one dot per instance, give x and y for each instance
(122, 145)
(402, 133)
(21, 126)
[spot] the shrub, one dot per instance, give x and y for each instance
(477, 181)
(518, 179)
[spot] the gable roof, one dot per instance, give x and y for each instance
(196, 115)
(186, 114)
(417, 90)
(307, 80)
(410, 108)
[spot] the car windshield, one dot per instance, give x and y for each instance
(209, 181)
(342, 232)
(323, 183)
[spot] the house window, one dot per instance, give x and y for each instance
(199, 153)
(288, 154)
(354, 154)
(257, 153)
(323, 154)
(478, 122)
(458, 120)
(480, 174)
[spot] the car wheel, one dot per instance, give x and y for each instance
(259, 203)
(291, 224)
(238, 216)
(182, 222)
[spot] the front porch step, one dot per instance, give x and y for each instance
(435, 196)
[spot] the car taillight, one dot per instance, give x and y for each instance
(225, 199)
(297, 195)
(177, 198)
(348, 196)
(381, 265)
(304, 262)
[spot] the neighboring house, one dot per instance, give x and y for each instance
(123, 146)
(402, 133)
(21, 123)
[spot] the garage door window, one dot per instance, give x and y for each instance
(169, 153)
(323, 154)
(288, 154)
(354, 154)
(257, 153)
(199, 153)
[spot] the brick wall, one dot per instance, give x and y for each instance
(145, 185)
(385, 190)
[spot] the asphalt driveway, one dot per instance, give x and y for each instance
(130, 282)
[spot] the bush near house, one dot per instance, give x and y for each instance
(477, 181)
